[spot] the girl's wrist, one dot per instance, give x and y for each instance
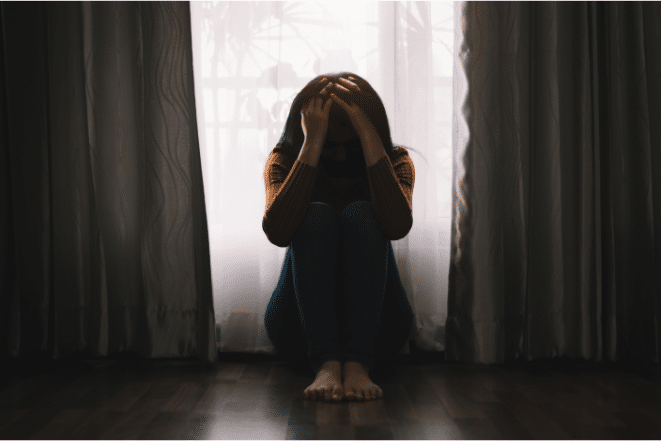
(368, 134)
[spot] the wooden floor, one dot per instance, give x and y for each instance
(186, 399)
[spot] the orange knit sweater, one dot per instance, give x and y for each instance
(291, 185)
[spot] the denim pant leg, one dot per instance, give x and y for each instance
(283, 320)
(314, 249)
(365, 265)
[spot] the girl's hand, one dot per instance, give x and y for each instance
(358, 118)
(314, 116)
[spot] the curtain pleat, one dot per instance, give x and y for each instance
(557, 213)
(104, 216)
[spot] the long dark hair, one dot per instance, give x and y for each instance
(292, 136)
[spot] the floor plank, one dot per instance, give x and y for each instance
(176, 399)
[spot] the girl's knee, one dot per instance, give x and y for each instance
(319, 217)
(360, 216)
(357, 207)
(320, 211)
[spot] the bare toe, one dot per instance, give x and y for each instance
(327, 384)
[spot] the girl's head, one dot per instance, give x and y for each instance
(340, 127)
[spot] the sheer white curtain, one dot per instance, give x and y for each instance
(250, 60)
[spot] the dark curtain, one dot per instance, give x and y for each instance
(104, 243)
(556, 240)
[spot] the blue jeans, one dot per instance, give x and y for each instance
(339, 296)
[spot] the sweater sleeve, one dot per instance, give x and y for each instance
(391, 189)
(289, 186)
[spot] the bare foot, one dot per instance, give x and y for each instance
(327, 386)
(357, 383)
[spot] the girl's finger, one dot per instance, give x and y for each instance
(339, 86)
(326, 88)
(350, 84)
(339, 101)
(327, 105)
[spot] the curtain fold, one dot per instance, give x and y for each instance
(105, 245)
(557, 214)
